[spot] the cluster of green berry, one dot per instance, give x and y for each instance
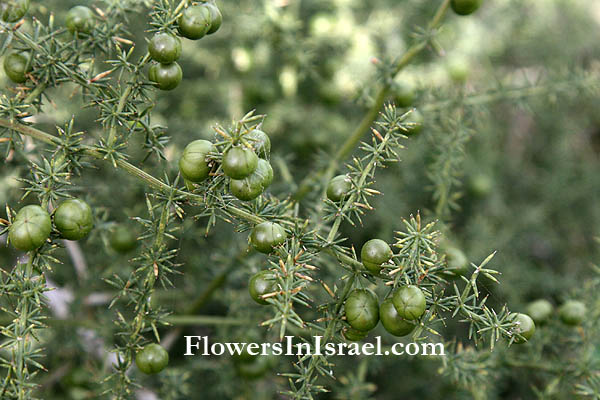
(398, 313)
(195, 22)
(73, 220)
(32, 225)
(250, 174)
(245, 164)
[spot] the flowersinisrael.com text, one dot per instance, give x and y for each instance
(200, 345)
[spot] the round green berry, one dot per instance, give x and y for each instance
(16, 66)
(254, 185)
(409, 302)
(194, 164)
(260, 143)
(260, 284)
(338, 188)
(194, 22)
(239, 162)
(540, 310)
(572, 312)
(123, 239)
(465, 7)
(392, 321)
(266, 236)
(13, 10)
(73, 219)
(166, 76)
(374, 253)
(80, 19)
(30, 228)
(215, 18)
(164, 47)
(152, 359)
(525, 327)
(362, 309)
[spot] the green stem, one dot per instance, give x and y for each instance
(34, 93)
(21, 330)
(112, 135)
(439, 14)
(344, 259)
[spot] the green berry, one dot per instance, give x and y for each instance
(164, 48)
(266, 236)
(457, 261)
(572, 312)
(194, 164)
(80, 19)
(152, 359)
(540, 310)
(338, 188)
(16, 66)
(254, 185)
(194, 22)
(362, 309)
(404, 93)
(260, 284)
(30, 228)
(374, 253)
(409, 302)
(465, 7)
(525, 327)
(260, 143)
(13, 10)
(354, 335)
(215, 18)
(73, 218)
(123, 239)
(167, 76)
(239, 162)
(392, 321)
